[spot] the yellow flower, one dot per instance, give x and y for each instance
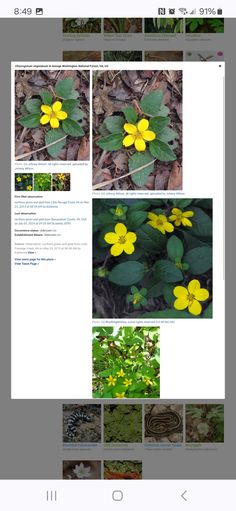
(120, 373)
(181, 217)
(121, 240)
(18, 179)
(111, 381)
(29, 188)
(121, 395)
(148, 381)
(119, 211)
(138, 134)
(127, 382)
(53, 114)
(61, 177)
(160, 222)
(190, 297)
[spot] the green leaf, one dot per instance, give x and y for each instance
(52, 136)
(175, 248)
(156, 290)
(168, 135)
(130, 114)
(111, 142)
(139, 205)
(161, 151)
(151, 103)
(164, 111)
(72, 128)
(139, 178)
(157, 124)
(126, 274)
(69, 105)
(33, 106)
(208, 312)
(136, 218)
(115, 124)
(46, 97)
(199, 260)
(168, 294)
(202, 223)
(151, 239)
(181, 203)
(65, 89)
(77, 114)
(30, 121)
(167, 271)
(168, 313)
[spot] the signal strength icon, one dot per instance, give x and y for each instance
(193, 12)
(183, 11)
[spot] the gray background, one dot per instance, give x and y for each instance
(31, 431)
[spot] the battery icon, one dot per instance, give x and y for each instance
(219, 12)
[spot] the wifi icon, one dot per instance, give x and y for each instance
(183, 11)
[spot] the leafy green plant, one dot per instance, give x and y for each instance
(204, 25)
(123, 423)
(58, 114)
(61, 182)
(205, 423)
(122, 25)
(123, 56)
(42, 182)
(167, 25)
(146, 135)
(23, 182)
(126, 363)
(156, 262)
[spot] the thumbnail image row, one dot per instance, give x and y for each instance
(137, 124)
(42, 182)
(142, 424)
(152, 258)
(142, 55)
(140, 25)
(94, 469)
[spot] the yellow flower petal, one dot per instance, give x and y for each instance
(128, 140)
(56, 107)
(152, 216)
(193, 286)
(117, 249)
(181, 304)
(128, 248)
(131, 237)
(202, 294)
(172, 218)
(149, 135)
(195, 308)
(111, 238)
(140, 144)
(54, 122)
(44, 119)
(46, 109)
(180, 292)
(160, 228)
(186, 222)
(168, 227)
(62, 115)
(176, 211)
(143, 125)
(152, 224)
(120, 229)
(188, 214)
(130, 128)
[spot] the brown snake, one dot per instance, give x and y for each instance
(162, 423)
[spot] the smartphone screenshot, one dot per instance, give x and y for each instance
(117, 339)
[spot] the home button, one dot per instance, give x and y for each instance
(117, 495)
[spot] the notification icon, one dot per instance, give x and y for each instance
(39, 11)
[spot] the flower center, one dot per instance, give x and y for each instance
(122, 240)
(119, 211)
(191, 298)
(137, 298)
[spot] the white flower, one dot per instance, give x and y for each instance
(81, 471)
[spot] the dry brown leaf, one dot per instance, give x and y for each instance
(175, 179)
(38, 137)
(121, 161)
(161, 180)
(22, 148)
(83, 152)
